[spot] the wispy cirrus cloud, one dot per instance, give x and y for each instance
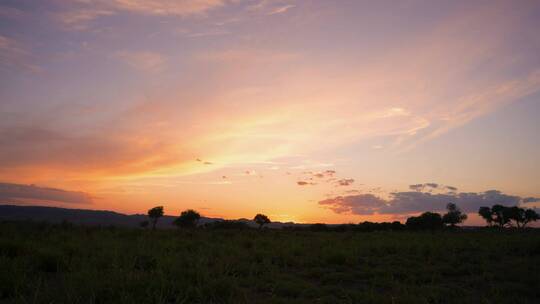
(246, 56)
(144, 61)
(281, 9)
(167, 7)
(469, 107)
(13, 55)
(10, 12)
(79, 15)
(271, 7)
(81, 19)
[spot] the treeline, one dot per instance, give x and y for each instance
(507, 217)
(498, 215)
(425, 221)
(360, 227)
(187, 219)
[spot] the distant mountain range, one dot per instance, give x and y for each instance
(99, 217)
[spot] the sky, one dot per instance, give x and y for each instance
(306, 111)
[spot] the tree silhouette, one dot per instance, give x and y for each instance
(425, 221)
(187, 219)
(521, 216)
(154, 214)
(261, 219)
(454, 215)
(501, 215)
(530, 216)
(486, 214)
(517, 215)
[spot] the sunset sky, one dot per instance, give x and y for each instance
(307, 111)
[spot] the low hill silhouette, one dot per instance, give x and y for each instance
(101, 217)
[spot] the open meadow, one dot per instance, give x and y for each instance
(44, 263)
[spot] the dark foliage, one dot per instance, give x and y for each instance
(187, 219)
(425, 221)
(154, 214)
(454, 215)
(486, 214)
(261, 220)
(503, 216)
(383, 226)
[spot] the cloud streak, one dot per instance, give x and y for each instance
(281, 9)
(79, 15)
(16, 193)
(14, 56)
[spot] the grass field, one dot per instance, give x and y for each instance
(42, 263)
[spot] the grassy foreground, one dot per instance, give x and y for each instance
(54, 264)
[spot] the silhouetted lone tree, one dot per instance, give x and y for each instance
(521, 216)
(261, 219)
(454, 215)
(154, 214)
(425, 221)
(187, 219)
(486, 214)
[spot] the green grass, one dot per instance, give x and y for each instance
(55, 264)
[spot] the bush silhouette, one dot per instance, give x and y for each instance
(154, 214)
(425, 221)
(454, 215)
(187, 219)
(261, 220)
